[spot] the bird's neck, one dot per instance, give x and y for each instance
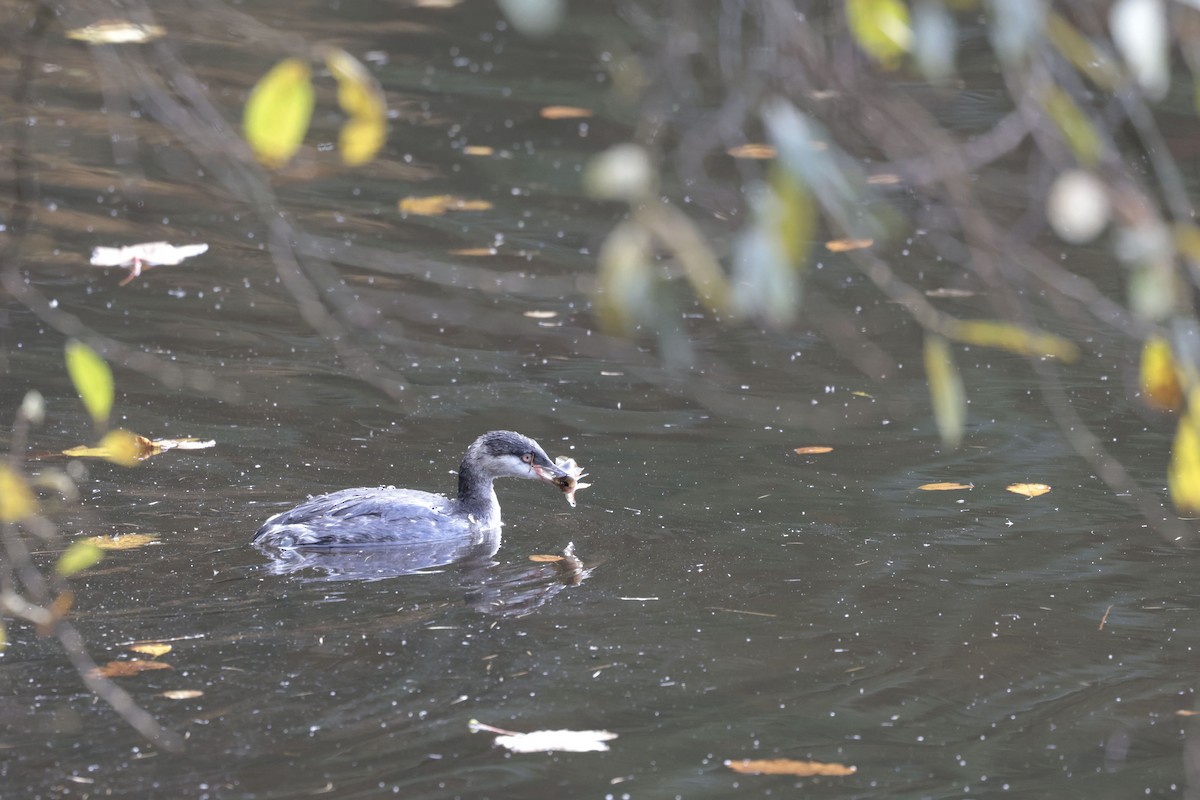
(477, 497)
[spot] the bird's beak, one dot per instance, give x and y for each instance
(550, 474)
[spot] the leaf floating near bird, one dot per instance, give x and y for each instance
(570, 482)
(946, 486)
(128, 449)
(788, 766)
(1029, 490)
(139, 257)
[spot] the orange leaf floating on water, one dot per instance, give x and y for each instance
(787, 766)
(1028, 489)
(945, 487)
(478, 150)
(124, 669)
(152, 649)
(474, 251)
(812, 450)
(439, 204)
(565, 112)
(843, 245)
(123, 541)
(755, 150)
(545, 557)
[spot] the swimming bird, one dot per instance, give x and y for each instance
(366, 517)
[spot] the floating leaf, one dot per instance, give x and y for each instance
(278, 112)
(1183, 472)
(812, 450)
(123, 541)
(478, 150)
(754, 150)
(77, 557)
(152, 649)
(1012, 337)
(548, 741)
(542, 558)
(945, 486)
(565, 112)
(361, 98)
(787, 766)
(439, 204)
(1159, 376)
(881, 28)
(182, 694)
(1028, 489)
(93, 380)
(16, 499)
(139, 257)
(59, 608)
(3, 636)
(125, 669)
(117, 32)
(946, 390)
(539, 314)
(845, 245)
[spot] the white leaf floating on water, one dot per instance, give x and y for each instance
(563, 741)
(155, 254)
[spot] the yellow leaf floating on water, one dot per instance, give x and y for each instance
(787, 766)
(1159, 376)
(437, 205)
(845, 245)
(125, 669)
(812, 450)
(278, 112)
(129, 449)
(152, 649)
(123, 541)
(16, 499)
(753, 150)
(1028, 489)
(478, 150)
(945, 487)
(565, 112)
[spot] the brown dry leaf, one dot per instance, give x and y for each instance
(182, 694)
(124, 669)
(844, 245)
(947, 486)
(755, 150)
(565, 112)
(478, 150)
(123, 541)
(545, 557)
(812, 450)
(152, 649)
(1183, 712)
(1028, 489)
(437, 205)
(58, 609)
(787, 766)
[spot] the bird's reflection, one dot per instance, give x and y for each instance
(490, 587)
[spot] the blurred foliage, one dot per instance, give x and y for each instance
(887, 120)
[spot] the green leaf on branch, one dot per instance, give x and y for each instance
(93, 380)
(278, 112)
(78, 557)
(945, 390)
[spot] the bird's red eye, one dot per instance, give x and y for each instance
(527, 458)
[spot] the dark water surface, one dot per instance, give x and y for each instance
(742, 602)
